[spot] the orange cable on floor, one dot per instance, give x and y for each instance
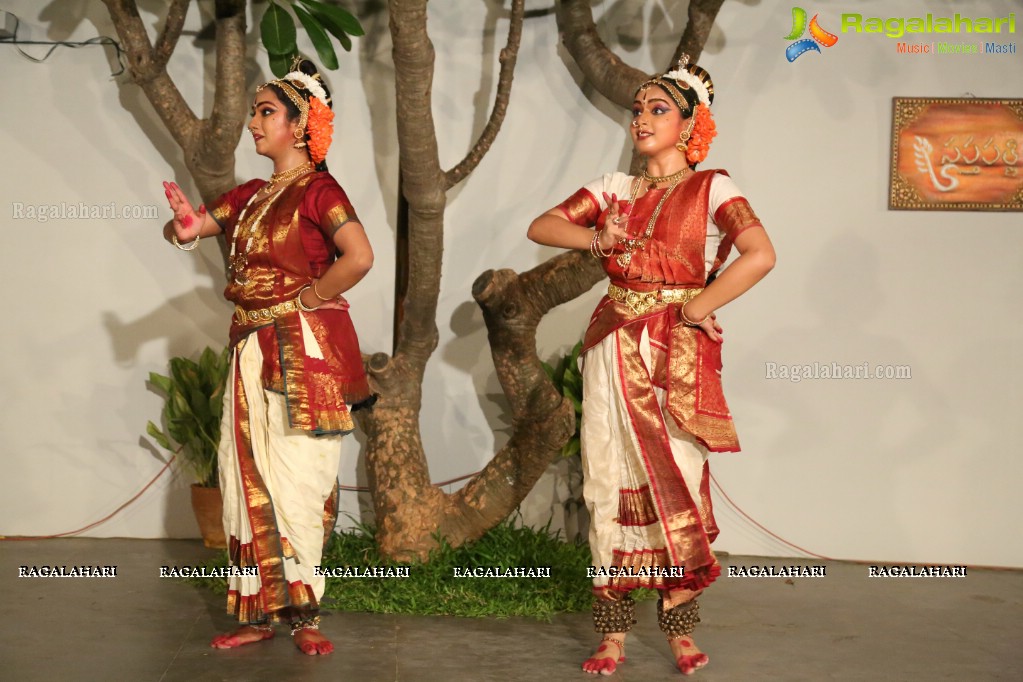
(714, 481)
(363, 489)
(760, 526)
(103, 520)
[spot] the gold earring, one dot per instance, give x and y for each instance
(299, 138)
(683, 141)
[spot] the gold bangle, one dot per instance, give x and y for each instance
(686, 321)
(317, 293)
(191, 246)
(298, 300)
(595, 250)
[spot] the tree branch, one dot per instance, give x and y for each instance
(168, 38)
(601, 67)
(513, 306)
(150, 75)
(509, 56)
(702, 14)
(223, 129)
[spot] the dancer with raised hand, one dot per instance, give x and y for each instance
(296, 245)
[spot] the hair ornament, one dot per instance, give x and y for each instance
(702, 84)
(310, 84)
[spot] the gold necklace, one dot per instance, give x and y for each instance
(656, 180)
(286, 176)
(632, 244)
(238, 262)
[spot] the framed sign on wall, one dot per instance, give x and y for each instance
(956, 154)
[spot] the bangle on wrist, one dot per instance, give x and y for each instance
(595, 249)
(316, 293)
(190, 246)
(298, 300)
(686, 321)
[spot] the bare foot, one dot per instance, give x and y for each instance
(608, 655)
(246, 634)
(687, 655)
(312, 642)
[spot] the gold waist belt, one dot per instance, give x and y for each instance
(642, 301)
(264, 314)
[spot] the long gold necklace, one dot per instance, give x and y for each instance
(238, 262)
(631, 245)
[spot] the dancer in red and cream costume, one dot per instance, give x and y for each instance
(296, 245)
(653, 406)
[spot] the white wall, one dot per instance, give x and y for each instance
(914, 470)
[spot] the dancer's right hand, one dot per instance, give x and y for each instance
(615, 224)
(187, 221)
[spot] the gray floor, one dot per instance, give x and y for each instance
(845, 626)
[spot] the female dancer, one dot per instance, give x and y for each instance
(296, 246)
(652, 400)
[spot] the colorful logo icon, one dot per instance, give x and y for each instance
(817, 35)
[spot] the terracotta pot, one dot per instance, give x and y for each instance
(208, 505)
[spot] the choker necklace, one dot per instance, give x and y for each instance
(656, 180)
(288, 175)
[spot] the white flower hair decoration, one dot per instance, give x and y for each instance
(310, 84)
(683, 74)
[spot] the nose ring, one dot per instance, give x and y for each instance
(635, 124)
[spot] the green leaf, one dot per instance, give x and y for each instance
(574, 382)
(200, 404)
(277, 30)
(319, 37)
(280, 64)
(344, 19)
(224, 364)
(158, 435)
(217, 405)
(185, 373)
(576, 350)
(161, 382)
(179, 405)
(208, 369)
(548, 370)
(328, 23)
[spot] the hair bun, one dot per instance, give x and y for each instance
(308, 68)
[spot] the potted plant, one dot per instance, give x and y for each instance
(568, 380)
(194, 394)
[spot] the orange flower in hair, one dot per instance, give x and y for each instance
(704, 131)
(320, 128)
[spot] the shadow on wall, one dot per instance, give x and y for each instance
(887, 423)
(377, 69)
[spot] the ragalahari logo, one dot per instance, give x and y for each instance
(817, 35)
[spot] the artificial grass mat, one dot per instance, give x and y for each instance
(432, 587)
